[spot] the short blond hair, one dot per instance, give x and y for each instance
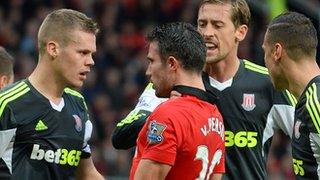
(240, 12)
(59, 25)
(6, 63)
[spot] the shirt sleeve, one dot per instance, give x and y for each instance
(161, 138)
(312, 115)
(219, 156)
(282, 112)
(127, 130)
(7, 130)
(86, 151)
(313, 111)
(219, 160)
(315, 142)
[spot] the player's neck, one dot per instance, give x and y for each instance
(298, 78)
(44, 81)
(223, 70)
(191, 80)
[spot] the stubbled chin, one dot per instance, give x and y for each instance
(211, 58)
(212, 53)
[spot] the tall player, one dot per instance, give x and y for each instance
(184, 137)
(290, 46)
(44, 124)
(249, 104)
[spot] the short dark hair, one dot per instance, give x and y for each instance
(295, 32)
(182, 41)
(6, 63)
(240, 12)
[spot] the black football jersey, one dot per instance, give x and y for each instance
(251, 109)
(306, 133)
(39, 139)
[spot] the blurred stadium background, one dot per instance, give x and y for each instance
(118, 78)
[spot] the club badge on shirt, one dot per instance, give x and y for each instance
(248, 102)
(155, 131)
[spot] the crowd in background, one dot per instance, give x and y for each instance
(118, 77)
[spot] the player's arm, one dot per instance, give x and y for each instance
(281, 114)
(160, 153)
(148, 169)
(219, 168)
(87, 171)
(127, 130)
(7, 129)
(5, 138)
(312, 120)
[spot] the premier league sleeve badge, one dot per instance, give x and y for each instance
(155, 131)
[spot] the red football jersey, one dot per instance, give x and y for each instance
(185, 133)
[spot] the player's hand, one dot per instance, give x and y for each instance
(174, 94)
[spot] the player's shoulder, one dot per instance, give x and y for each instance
(167, 112)
(285, 98)
(252, 72)
(174, 105)
(312, 91)
(15, 87)
(314, 85)
(13, 93)
(255, 68)
(310, 99)
(168, 106)
(74, 95)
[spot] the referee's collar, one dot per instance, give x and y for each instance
(202, 95)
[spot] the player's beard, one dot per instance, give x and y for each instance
(163, 89)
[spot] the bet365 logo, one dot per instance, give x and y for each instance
(60, 156)
(241, 139)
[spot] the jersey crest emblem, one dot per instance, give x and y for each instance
(297, 129)
(77, 123)
(248, 102)
(155, 131)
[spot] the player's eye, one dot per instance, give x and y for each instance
(83, 53)
(201, 24)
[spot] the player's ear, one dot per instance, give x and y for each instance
(173, 63)
(241, 32)
(52, 49)
(4, 80)
(277, 52)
